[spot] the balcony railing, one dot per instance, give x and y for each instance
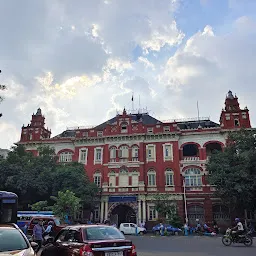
(191, 158)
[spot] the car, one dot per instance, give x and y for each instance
(14, 242)
(168, 227)
(130, 229)
(90, 240)
(56, 227)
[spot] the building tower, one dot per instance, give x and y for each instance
(36, 129)
(233, 116)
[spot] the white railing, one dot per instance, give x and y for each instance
(186, 120)
(191, 158)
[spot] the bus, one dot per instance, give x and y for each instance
(24, 217)
(8, 207)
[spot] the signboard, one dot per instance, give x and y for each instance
(115, 199)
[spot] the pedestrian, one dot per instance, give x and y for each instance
(38, 231)
(161, 229)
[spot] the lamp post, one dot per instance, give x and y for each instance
(185, 200)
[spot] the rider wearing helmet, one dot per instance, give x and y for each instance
(239, 228)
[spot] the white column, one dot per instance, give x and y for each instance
(139, 211)
(143, 210)
(102, 212)
(106, 210)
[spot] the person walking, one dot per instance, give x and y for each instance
(38, 231)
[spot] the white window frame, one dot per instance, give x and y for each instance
(244, 115)
(99, 133)
(123, 172)
(85, 134)
(135, 153)
(150, 130)
(97, 179)
(151, 181)
(152, 157)
(112, 174)
(227, 116)
(193, 179)
(66, 155)
(124, 125)
(167, 129)
(170, 156)
(113, 156)
(135, 174)
(151, 209)
(121, 150)
(81, 151)
(98, 161)
(169, 173)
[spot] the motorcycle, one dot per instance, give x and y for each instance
(48, 239)
(229, 238)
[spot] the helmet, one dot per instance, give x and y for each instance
(237, 219)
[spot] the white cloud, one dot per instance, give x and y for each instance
(82, 62)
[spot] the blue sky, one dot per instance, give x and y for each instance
(80, 63)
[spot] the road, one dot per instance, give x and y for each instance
(187, 246)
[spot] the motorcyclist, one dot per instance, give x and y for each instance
(49, 229)
(238, 229)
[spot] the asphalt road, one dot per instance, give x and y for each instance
(188, 246)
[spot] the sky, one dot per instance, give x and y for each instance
(80, 61)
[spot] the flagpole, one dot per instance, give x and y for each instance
(132, 103)
(185, 201)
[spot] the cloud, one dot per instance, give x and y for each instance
(82, 62)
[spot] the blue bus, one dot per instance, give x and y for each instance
(8, 207)
(24, 217)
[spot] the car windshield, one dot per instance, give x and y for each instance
(103, 233)
(11, 240)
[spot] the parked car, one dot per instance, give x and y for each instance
(88, 240)
(56, 227)
(14, 242)
(168, 227)
(130, 229)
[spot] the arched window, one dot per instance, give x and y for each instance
(123, 153)
(112, 179)
(193, 177)
(97, 178)
(169, 177)
(135, 153)
(195, 212)
(152, 178)
(112, 154)
(221, 213)
(65, 157)
(123, 178)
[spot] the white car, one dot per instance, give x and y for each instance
(130, 229)
(14, 242)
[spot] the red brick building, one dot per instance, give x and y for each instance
(134, 156)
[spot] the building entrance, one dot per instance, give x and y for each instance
(123, 214)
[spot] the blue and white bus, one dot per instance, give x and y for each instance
(24, 217)
(8, 207)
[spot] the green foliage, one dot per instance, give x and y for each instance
(233, 171)
(167, 208)
(40, 206)
(37, 178)
(66, 204)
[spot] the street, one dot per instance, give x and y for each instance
(187, 246)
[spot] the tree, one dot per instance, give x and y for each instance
(67, 204)
(41, 206)
(233, 171)
(167, 209)
(37, 178)
(2, 87)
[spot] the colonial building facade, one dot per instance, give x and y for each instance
(133, 157)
